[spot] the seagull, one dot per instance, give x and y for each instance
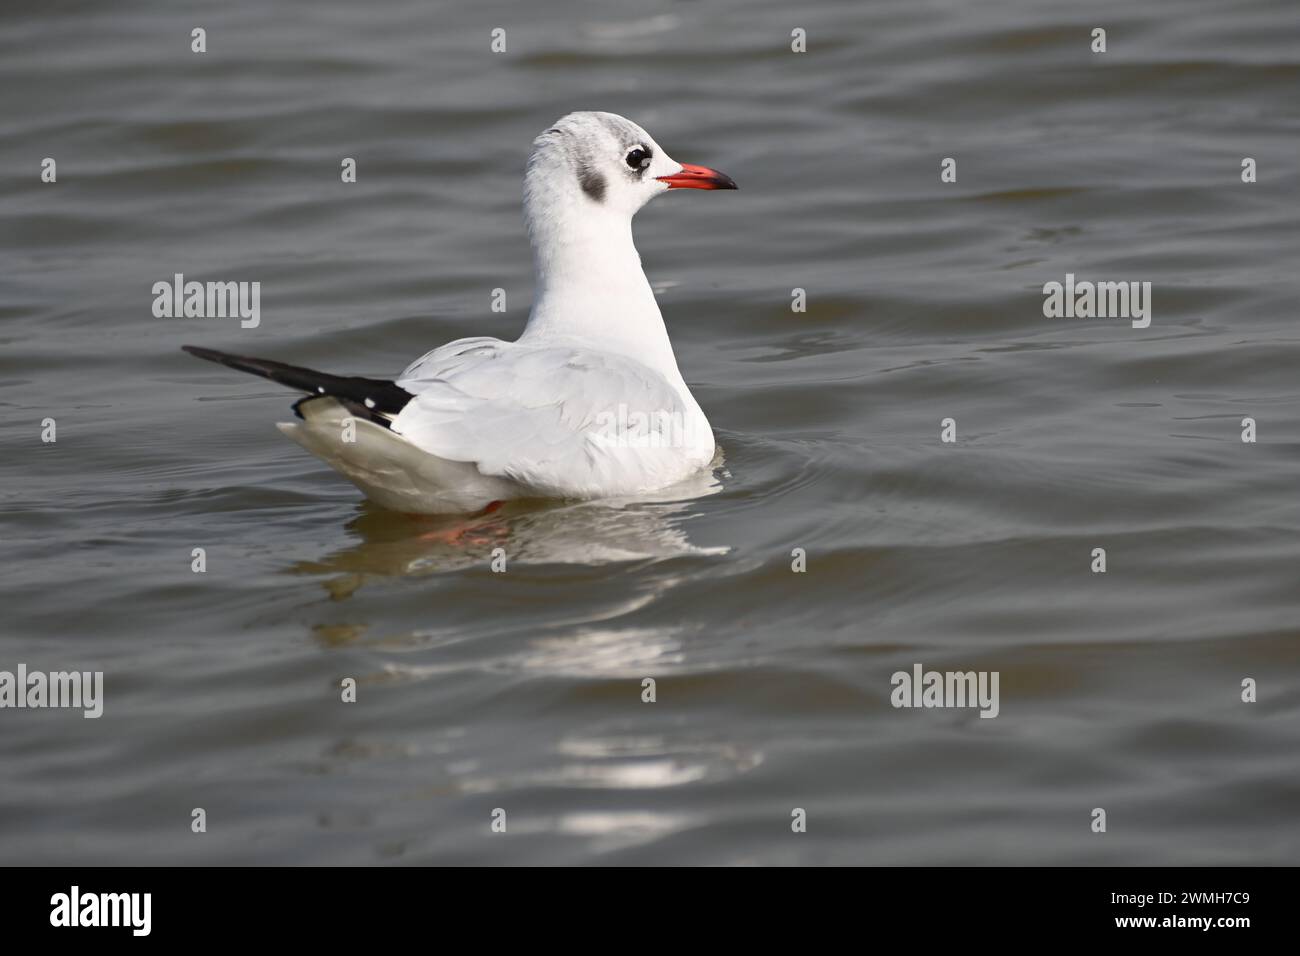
(587, 403)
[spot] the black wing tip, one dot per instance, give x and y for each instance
(371, 397)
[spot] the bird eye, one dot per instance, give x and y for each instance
(638, 158)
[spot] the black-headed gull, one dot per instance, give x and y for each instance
(588, 403)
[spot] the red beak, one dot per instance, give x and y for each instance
(698, 177)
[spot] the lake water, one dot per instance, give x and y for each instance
(521, 691)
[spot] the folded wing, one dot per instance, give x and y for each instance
(560, 420)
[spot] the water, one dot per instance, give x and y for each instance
(522, 690)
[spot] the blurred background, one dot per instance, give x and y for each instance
(522, 690)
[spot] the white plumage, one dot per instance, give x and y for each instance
(588, 403)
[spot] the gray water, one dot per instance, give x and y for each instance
(522, 690)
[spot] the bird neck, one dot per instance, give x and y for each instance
(590, 286)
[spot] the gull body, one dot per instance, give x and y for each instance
(587, 403)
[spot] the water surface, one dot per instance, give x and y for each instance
(522, 690)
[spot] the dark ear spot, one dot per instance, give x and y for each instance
(592, 182)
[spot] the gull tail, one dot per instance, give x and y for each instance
(374, 399)
(378, 460)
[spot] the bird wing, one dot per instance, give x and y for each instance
(559, 419)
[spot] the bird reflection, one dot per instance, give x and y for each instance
(587, 532)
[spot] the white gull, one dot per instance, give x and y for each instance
(587, 403)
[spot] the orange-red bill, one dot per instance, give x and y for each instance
(698, 177)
